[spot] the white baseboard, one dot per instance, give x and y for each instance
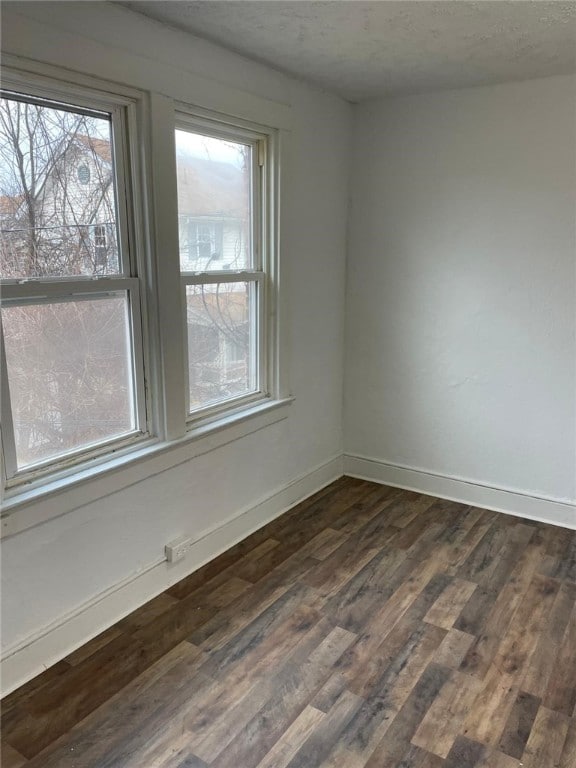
(511, 502)
(36, 653)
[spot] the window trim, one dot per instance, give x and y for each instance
(265, 255)
(15, 291)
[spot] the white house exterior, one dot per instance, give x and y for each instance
(65, 225)
(213, 206)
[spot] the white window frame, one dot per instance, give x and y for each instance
(263, 272)
(152, 233)
(15, 292)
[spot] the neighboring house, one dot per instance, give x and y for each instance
(76, 206)
(65, 225)
(213, 214)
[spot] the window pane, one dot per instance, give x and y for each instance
(214, 210)
(69, 374)
(57, 196)
(221, 341)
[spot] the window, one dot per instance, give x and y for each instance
(83, 174)
(72, 362)
(221, 175)
(100, 247)
(100, 236)
(200, 243)
(134, 316)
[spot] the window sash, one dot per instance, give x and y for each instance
(119, 146)
(257, 141)
(257, 352)
(48, 293)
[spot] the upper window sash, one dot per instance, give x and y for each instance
(256, 140)
(116, 114)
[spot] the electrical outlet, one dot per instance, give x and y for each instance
(175, 550)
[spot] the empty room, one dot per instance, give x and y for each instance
(288, 384)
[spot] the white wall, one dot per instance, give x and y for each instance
(52, 570)
(461, 294)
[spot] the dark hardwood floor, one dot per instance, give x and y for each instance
(367, 628)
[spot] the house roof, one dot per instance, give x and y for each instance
(211, 188)
(101, 147)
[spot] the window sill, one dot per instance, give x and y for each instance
(28, 506)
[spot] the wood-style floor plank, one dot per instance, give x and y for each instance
(443, 722)
(292, 739)
(560, 692)
(568, 757)
(547, 738)
(368, 627)
(9, 758)
(519, 725)
(453, 649)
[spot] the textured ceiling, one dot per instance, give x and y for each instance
(363, 50)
